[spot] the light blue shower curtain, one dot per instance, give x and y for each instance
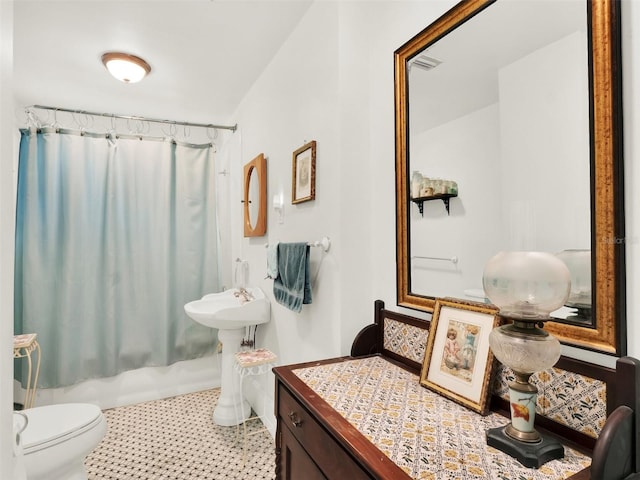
(113, 237)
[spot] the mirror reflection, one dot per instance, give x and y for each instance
(505, 117)
(515, 142)
(254, 197)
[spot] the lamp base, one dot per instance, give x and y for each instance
(531, 455)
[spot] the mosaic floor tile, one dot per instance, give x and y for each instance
(176, 439)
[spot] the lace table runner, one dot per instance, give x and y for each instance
(425, 434)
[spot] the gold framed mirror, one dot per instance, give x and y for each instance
(255, 197)
(600, 208)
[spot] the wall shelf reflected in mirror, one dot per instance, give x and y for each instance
(445, 197)
(539, 154)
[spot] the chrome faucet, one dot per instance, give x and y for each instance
(244, 293)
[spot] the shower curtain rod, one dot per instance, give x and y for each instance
(133, 117)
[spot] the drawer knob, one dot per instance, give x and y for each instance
(294, 419)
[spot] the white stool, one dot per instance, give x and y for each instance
(249, 363)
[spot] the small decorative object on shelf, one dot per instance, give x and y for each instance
(526, 287)
(424, 189)
(416, 184)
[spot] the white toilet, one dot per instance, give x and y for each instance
(58, 438)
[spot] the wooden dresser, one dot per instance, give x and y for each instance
(316, 442)
(366, 417)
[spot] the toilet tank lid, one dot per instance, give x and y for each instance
(52, 422)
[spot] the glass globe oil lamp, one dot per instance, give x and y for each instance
(526, 287)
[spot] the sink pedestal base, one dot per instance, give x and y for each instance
(230, 411)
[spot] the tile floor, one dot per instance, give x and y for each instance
(176, 439)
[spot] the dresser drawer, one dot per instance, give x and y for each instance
(295, 462)
(328, 455)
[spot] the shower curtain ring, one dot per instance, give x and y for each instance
(215, 133)
(138, 126)
(32, 118)
(172, 132)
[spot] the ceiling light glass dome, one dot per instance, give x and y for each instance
(125, 67)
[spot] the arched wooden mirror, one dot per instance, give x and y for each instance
(255, 197)
(519, 103)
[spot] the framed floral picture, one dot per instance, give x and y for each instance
(458, 361)
(304, 173)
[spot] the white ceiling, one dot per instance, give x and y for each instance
(467, 78)
(204, 54)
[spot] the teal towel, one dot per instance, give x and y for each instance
(272, 261)
(292, 287)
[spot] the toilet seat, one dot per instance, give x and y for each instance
(54, 424)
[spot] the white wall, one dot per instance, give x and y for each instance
(293, 102)
(466, 150)
(389, 25)
(6, 238)
(362, 258)
(544, 134)
(507, 158)
(332, 82)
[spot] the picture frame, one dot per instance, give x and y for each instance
(458, 361)
(303, 173)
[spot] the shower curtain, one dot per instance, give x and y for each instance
(113, 237)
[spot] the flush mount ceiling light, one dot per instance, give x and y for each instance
(125, 67)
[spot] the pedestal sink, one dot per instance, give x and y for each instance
(230, 312)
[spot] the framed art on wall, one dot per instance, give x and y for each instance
(303, 173)
(458, 360)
